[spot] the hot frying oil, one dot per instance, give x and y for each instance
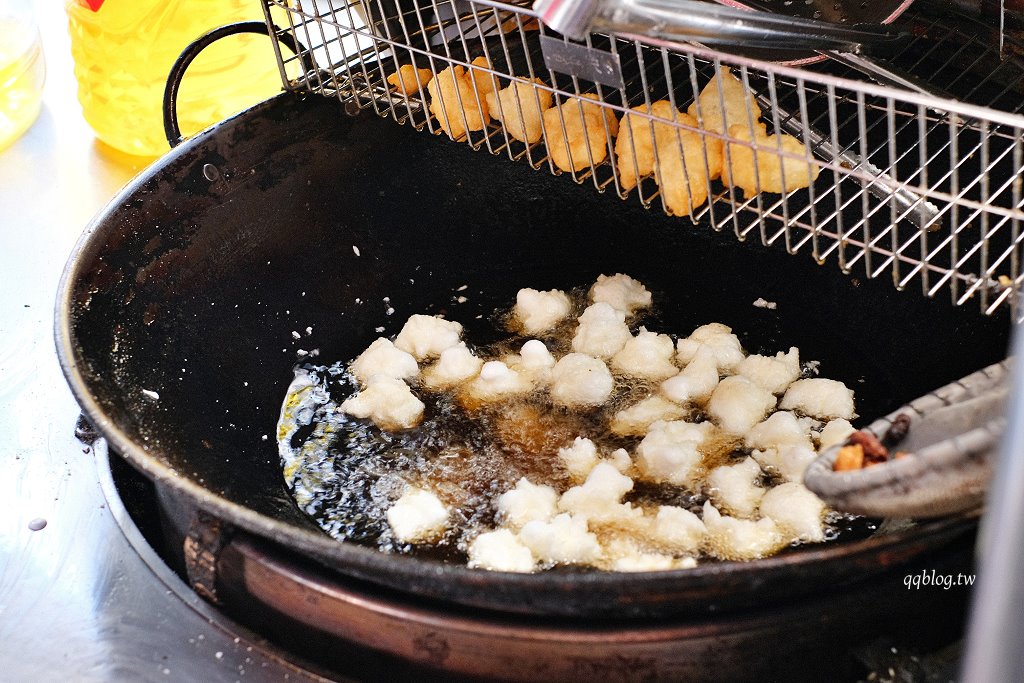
(346, 473)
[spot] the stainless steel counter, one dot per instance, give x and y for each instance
(76, 600)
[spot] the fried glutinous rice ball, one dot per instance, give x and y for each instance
(621, 292)
(773, 171)
(459, 100)
(724, 102)
(606, 444)
(537, 312)
(409, 80)
(583, 141)
(682, 161)
(520, 108)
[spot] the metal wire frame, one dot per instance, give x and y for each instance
(919, 188)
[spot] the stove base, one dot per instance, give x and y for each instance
(354, 629)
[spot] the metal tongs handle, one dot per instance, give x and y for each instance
(705, 23)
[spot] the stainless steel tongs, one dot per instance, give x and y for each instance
(950, 444)
(707, 23)
(704, 22)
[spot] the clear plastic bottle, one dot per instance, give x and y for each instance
(124, 49)
(22, 70)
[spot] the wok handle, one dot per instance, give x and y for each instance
(170, 106)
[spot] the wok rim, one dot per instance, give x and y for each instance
(346, 557)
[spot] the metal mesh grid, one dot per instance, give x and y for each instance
(927, 190)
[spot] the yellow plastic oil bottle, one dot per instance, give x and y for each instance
(21, 71)
(124, 49)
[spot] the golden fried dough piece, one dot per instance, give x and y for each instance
(665, 154)
(453, 100)
(409, 80)
(681, 171)
(740, 105)
(584, 130)
(609, 115)
(482, 81)
(520, 107)
(634, 148)
(738, 167)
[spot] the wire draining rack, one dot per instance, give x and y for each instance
(925, 189)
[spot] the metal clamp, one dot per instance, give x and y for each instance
(706, 23)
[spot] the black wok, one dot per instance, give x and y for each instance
(177, 310)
